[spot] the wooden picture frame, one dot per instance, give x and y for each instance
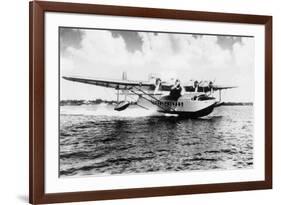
(37, 10)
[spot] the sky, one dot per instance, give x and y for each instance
(229, 60)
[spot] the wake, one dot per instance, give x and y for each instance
(107, 110)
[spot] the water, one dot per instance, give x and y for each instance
(96, 140)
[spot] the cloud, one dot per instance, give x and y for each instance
(132, 39)
(227, 42)
(70, 38)
(107, 54)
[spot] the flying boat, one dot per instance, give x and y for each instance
(190, 100)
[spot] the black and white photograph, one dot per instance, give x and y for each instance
(145, 102)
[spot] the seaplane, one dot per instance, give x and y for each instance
(190, 100)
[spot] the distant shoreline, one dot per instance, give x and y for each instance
(237, 104)
(110, 102)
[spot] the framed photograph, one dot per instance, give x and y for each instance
(132, 102)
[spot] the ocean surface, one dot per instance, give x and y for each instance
(96, 140)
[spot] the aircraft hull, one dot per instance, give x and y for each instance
(183, 107)
(192, 114)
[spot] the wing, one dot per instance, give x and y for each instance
(127, 84)
(223, 87)
(191, 88)
(116, 84)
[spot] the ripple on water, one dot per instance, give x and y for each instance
(104, 144)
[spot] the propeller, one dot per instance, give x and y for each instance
(158, 81)
(157, 85)
(211, 85)
(196, 83)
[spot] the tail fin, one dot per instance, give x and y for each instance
(124, 76)
(124, 92)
